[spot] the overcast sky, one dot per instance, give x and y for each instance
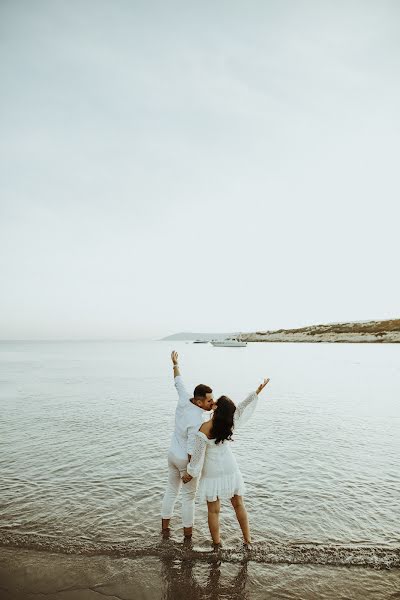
(197, 166)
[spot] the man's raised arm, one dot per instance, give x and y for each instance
(183, 394)
(174, 358)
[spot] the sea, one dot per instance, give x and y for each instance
(84, 434)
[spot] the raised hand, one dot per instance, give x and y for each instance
(262, 386)
(174, 357)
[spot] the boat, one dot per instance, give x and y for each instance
(200, 342)
(229, 343)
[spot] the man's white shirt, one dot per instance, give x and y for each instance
(188, 420)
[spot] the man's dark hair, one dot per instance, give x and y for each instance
(201, 390)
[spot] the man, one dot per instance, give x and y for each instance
(190, 414)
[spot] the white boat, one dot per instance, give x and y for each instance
(233, 343)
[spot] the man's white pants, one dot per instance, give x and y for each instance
(176, 468)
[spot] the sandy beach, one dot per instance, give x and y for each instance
(27, 574)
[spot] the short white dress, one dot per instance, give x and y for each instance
(220, 474)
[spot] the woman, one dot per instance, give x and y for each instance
(221, 477)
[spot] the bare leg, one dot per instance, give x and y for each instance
(165, 525)
(213, 520)
(241, 515)
(187, 532)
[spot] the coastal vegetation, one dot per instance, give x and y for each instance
(383, 331)
(359, 331)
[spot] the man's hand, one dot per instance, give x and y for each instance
(262, 386)
(174, 358)
(186, 477)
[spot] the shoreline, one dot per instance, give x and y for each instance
(321, 338)
(362, 332)
(366, 555)
(357, 332)
(27, 574)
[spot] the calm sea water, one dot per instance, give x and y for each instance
(84, 434)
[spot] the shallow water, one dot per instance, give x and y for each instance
(85, 428)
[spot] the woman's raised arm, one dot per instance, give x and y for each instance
(246, 408)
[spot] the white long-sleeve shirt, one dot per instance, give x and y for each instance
(188, 419)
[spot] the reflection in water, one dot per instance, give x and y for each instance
(181, 583)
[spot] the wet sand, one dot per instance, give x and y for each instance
(27, 574)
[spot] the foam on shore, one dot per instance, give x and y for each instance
(272, 552)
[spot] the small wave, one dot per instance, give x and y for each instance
(372, 556)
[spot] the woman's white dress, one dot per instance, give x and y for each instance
(220, 474)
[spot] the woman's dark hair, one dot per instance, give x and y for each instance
(222, 422)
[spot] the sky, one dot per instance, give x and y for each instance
(197, 166)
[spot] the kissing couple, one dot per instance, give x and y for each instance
(200, 457)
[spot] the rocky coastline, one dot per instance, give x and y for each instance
(386, 331)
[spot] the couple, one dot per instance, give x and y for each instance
(200, 445)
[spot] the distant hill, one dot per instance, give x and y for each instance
(358, 331)
(350, 332)
(190, 336)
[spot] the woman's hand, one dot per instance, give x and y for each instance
(262, 386)
(186, 478)
(174, 357)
